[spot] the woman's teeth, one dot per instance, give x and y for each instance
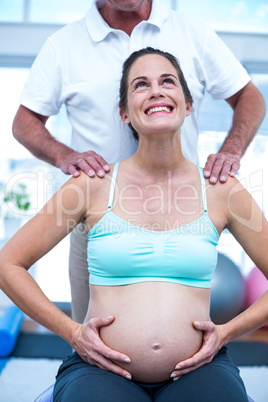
(159, 109)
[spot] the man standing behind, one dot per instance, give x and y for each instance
(80, 65)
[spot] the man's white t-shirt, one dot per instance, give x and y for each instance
(81, 65)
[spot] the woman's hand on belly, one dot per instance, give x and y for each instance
(154, 348)
(153, 324)
(213, 339)
(90, 347)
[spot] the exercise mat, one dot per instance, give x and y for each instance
(10, 324)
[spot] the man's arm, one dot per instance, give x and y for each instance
(29, 129)
(249, 110)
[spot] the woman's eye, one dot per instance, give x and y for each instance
(140, 84)
(168, 81)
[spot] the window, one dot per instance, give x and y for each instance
(222, 112)
(17, 165)
(11, 10)
(46, 11)
(64, 11)
(38, 11)
(238, 15)
(11, 83)
(231, 15)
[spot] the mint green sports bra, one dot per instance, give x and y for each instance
(120, 253)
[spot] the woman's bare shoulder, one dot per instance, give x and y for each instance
(223, 190)
(89, 185)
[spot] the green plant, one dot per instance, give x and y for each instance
(18, 197)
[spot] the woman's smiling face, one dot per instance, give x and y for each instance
(156, 101)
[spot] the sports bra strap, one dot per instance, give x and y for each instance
(112, 186)
(203, 189)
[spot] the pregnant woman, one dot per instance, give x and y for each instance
(153, 226)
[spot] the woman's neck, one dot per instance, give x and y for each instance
(157, 156)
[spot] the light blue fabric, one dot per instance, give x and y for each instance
(46, 396)
(120, 253)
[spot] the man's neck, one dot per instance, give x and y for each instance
(125, 20)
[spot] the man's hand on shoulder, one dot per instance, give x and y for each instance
(220, 166)
(89, 162)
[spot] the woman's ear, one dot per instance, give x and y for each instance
(124, 115)
(188, 108)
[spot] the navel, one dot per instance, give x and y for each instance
(156, 346)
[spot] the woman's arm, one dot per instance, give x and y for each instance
(248, 225)
(29, 244)
(60, 215)
(250, 228)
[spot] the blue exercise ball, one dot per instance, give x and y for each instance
(228, 291)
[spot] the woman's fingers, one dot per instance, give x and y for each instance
(92, 349)
(199, 359)
(107, 364)
(205, 355)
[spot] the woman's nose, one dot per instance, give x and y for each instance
(156, 92)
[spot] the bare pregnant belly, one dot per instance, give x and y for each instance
(153, 325)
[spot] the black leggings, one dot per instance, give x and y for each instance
(218, 381)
